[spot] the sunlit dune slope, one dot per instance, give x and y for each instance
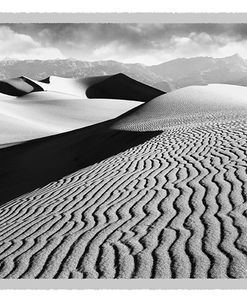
(45, 113)
(73, 86)
(19, 86)
(159, 192)
(187, 105)
(56, 105)
(118, 86)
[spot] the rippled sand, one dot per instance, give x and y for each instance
(174, 206)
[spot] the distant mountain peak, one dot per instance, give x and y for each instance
(235, 57)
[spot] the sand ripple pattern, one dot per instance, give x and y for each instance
(173, 207)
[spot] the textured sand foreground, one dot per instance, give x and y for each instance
(174, 206)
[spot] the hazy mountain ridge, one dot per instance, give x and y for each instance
(202, 70)
(38, 69)
(167, 76)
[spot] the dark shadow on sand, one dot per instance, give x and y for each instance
(120, 86)
(34, 164)
(10, 89)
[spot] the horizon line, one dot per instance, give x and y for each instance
(121, 62)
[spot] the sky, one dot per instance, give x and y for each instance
(129, 43)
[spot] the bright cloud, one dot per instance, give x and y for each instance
(22, 46)
(129, 43)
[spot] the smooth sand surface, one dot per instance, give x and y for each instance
(56, 105)
(173, 206)
(73, 86)
(41, 114)
(19, 86)
(117, 86)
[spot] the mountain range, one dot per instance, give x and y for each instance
(166, 76)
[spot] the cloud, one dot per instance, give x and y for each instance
(22, 46)
(203, 44)
(134, 42)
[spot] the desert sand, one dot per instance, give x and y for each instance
(41, 114)
(19, 86)
(31, 109)
(117, 86)
(158, 192)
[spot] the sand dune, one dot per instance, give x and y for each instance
(42, 114)
(19, 86)
(172, 206)
(187, 105)
(118, 86)
(56, 105)
(76, 87)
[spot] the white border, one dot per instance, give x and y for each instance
(210, 6)
(124, 284)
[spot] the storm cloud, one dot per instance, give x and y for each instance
(144, 43)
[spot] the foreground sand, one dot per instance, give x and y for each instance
(171, 207)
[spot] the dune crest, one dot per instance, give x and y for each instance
(193, 104)
(56, 105)
(72, 86)
(117, 86)
(41, 114)
(19, 86)
(170, 202)
(120, 86)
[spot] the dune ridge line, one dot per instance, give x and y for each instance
(172, 206)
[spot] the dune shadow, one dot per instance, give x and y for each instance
(36, 163)
(8, 87)
(120, 86)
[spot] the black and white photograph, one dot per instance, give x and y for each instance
(123, 150)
